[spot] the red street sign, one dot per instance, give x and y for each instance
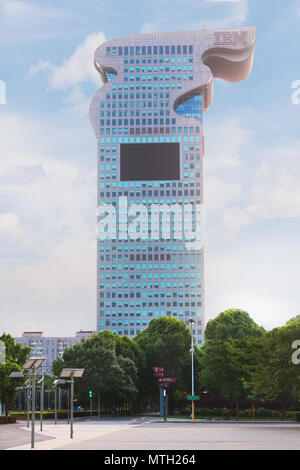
(167, 380)
(159, 375)
(158, 369)
(162, 385)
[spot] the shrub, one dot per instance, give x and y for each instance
(7, 419)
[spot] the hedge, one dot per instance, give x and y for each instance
(63, 414)
(7, 419)
(231, 413)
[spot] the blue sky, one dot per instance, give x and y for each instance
(48, 159)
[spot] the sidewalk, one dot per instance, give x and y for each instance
(58, 435)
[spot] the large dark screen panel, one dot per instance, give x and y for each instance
(150, 162)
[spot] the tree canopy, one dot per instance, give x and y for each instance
(111, 367)
(15, 357)
(232, 323)
(165, 343)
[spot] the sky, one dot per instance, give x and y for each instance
(48, 159)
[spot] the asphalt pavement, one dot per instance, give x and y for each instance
(150, 434)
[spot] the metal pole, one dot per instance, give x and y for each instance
(161, 402)
(68, 400)
(99, 406)
(193, 386)
(59, 398)
(27, 405)
(165, 404)
(42, 405)
(72, 407)
(55, 406)
(33, 407)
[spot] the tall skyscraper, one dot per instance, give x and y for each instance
(148, 122)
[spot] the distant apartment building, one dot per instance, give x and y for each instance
(50, 347)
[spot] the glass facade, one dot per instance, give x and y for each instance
(145, 277)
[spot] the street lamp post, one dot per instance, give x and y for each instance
(27, 389)
(71, 374)
(191, 321)
(55, 384)
(41, 381)
(33, 363)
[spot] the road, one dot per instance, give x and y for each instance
(153, 434)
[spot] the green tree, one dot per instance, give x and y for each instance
(165, 343)
(228, 356)
(276, 377)
(232, 323)
(15, 356)
(110, 364)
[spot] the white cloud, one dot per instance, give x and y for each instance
(47, 226)
(259, 276)
(251, 193)
(74, 71)
(246, 180)
(234, 13)
(9, 225)
(148, 27)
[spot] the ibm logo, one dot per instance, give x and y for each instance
(231, 38)
(2, 92)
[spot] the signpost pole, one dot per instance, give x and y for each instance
(33, 406)
(193, 408)
(27, 405)
(42, 405)
(55, 406)
(161, 401)
(192, 351)
(72, 407)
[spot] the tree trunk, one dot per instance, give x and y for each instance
(99, 405)
(283, 410)
(237, 409)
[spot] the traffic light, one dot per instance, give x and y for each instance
(90, 393)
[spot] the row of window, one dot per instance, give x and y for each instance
(145, 314)
(145, 295)
(149, 50)
(143, 122)
(131, 245)
(135, 104)
(175, 192)
(132, 332)
(158, 69)
(148, 266)
(158, 285)
(155, 184)
(150, 257)
(150, 275)
(162, 77)
(158, 60)
(144, 139)
(146, 86)
(137, 95)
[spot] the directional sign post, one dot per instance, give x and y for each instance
(166, 380)
(158, 372)
(163, 383)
